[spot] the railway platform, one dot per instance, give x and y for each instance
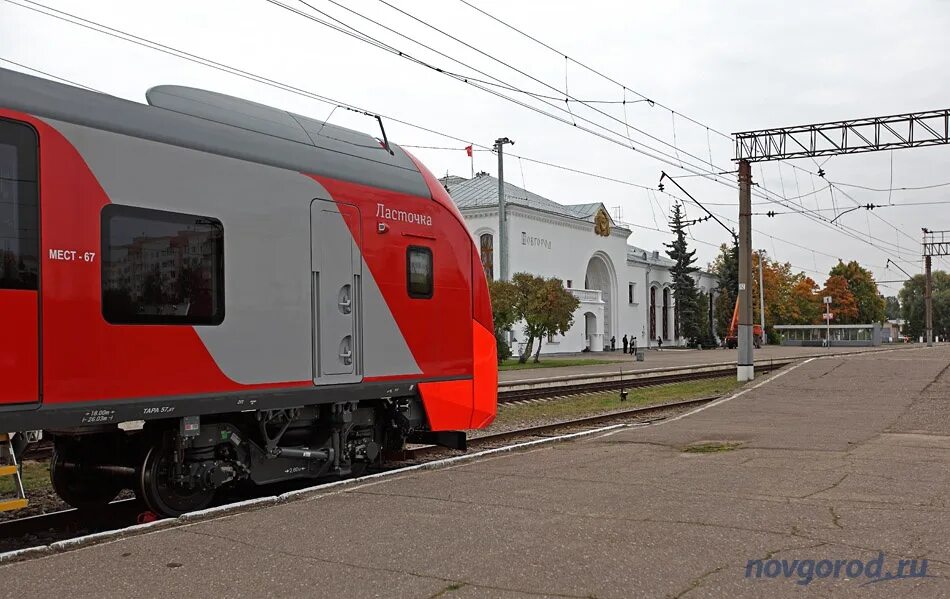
(825, 466)
(681, 358)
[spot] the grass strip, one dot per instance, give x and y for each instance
(603, 402)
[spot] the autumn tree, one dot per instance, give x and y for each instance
(544, 306)
(843, 304)
(726, 269)
(777, 279)
(789, 296)
(804, 303)
(871, 306)
(686, 301)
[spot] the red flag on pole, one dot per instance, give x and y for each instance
(468, 151)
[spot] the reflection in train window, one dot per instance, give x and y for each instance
(19, 211)
(161, 267)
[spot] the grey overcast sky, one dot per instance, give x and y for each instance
(731, 65)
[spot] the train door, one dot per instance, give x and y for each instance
(19, 263)
(336, 270)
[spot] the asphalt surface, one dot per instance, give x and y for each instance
(839, 459)
(683, 358)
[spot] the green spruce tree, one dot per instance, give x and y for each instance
(726, 269)
(686, 309)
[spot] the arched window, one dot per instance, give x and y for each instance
(652, 313)
(666, 312)
(487, 252)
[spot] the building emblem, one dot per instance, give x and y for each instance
(602, 223)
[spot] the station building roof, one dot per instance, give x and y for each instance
(481, 191)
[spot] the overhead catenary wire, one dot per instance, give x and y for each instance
(50, 75)
(522, 72)
(196, 59)
(226, 68)
(592, 174)
(618, 83)
(625, 87)
(232, 70)
(667, 158)
(651, 191)
(571, 118)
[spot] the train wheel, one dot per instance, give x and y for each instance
(159, 491)
(72, 479)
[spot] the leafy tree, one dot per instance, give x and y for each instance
(504, 314)
(804, 302)
(544, 306)
(686, 302)
(726, 269)
(912, 305)
(843, 303)
(892, 308)
(871, 306)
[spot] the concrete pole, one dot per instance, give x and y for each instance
(765, 338)
(928, 302)
(745, 365)
(502, 210)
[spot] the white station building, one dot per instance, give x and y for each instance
(622, 289)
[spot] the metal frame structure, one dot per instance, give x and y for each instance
(909, 130)
(854, 136)
(936, 243)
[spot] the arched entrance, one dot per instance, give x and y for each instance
(601, 276)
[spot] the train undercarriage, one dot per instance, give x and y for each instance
(179, 465)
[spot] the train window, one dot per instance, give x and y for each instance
(19, 208)
(419, 271)
(161, 267)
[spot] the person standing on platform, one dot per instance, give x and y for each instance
(659, 343)
(625, 344)
(633, 346)
(613, 343)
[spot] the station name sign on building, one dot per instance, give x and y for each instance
(532, 241)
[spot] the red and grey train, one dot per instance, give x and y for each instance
(205, 290)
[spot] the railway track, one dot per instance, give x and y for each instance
(65, 524)
(612, 382)
(548, 428)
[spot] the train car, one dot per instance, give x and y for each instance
(205, 290)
